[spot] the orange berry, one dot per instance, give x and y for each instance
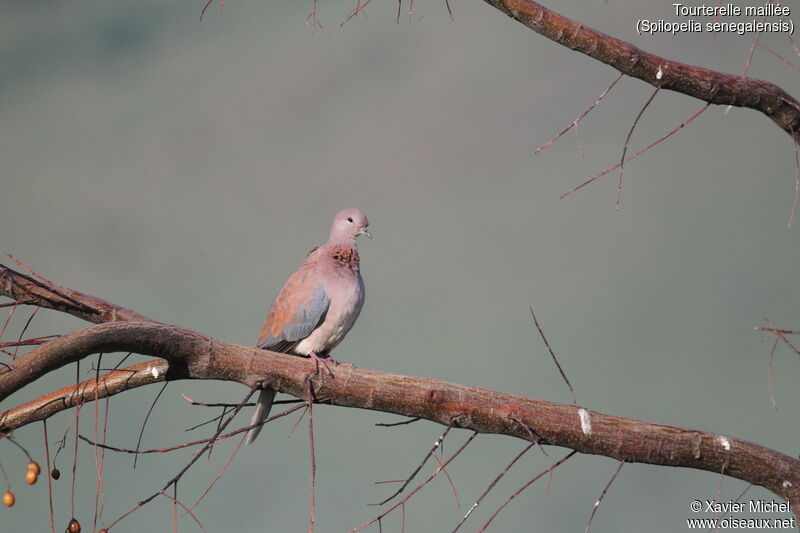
(31, 477)
(8, 498)
(74, 526)
(34, 466)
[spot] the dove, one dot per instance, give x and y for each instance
(317, 305)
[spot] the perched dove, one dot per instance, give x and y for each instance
(318, 304)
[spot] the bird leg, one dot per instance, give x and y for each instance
(317, 360)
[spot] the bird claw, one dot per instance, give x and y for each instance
(317, 360)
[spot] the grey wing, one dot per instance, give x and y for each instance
(295, 313)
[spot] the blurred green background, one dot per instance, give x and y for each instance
(183, 169)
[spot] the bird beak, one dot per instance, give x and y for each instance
(366, 232)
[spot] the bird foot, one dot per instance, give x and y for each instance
(324, 361)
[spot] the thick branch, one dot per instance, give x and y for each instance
(704, 84)
(193, 355)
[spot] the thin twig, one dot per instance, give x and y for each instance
(525, 486)
(49, 478)
(780, 57)
(24, 329)
(77, 424)
(602, 495)
(20, 446)
(416, 489)
(780, 334)
(491, 486)
(435, 447)
(313, 456)
(553, 355)
(194, 459)
(769, 374)
(197, 442)
(450, 481)
(574, 123)
(796, 181)
(146, 418)
(187, 511)
(219, 474)
(395, 424)
(535, 437)
(627, 140)
(640, 152)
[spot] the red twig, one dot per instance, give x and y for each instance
(525, 486)
(602, 495)
(187, 511)
(416, 489)
(24, 329)
(356, 10)
(146, 418)
(575, 122)
(194, 459)
(28, 269)
(197, 442)
(627, 140)
(15, 305)
(796, 182)
(49, 478)
(553, 355)
(77, 423)
(313, 457)
(779, 333)
(175, 508)
(219, 474)
(776, 54)
(769, 374)
(435, 447)
(640, 152)
(491, 486)
(449, 480)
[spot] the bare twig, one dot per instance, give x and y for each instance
(796, 183)
(602, 495)
(627, 140)
(553, 355)
(435, 447)
(194, 459)
(769, 374)
(640, 152)
(574, 123)
(146, 418)
(525, 486)
(401, 502)
(49, 478)
(395, 424)
(491, 486)
(219, 474)
(449, 480)
(780, 57)
(219, 438)
(313, 455)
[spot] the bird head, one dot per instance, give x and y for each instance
(349, 224)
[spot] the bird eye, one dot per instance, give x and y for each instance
(349, 219)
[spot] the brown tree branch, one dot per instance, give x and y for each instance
(196, 356)
(701, 83)
(114, 382)
(27, 290)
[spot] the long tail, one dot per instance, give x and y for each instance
(261, 413)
